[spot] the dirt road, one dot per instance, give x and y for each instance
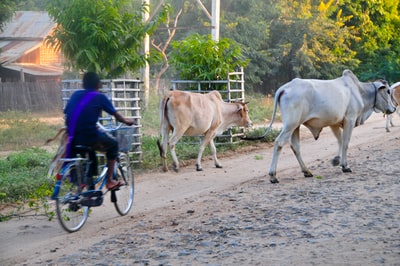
(234, 216)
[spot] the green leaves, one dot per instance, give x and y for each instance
(7, 8)
(198, 57)
(375, 25)
(102, 36)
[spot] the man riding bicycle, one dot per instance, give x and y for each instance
(82, 113)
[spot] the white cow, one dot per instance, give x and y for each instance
(340, 104)
(193, 114)
(395, 92)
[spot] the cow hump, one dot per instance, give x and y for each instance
(215, 94)
(350, 79)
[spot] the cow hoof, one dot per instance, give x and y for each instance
(273, 179)
(308, 174)
(198, 168)
(346, 169)
(218, 166)
(336, 161)
(176, 168)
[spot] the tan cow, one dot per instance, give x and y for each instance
(194, 114)
(395, 91)
(341, 104)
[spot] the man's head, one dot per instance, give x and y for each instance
(91, 81)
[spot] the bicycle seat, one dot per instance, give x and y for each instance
(82, 149)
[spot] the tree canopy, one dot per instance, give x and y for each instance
(307, 38)
(101, 36)
(281, 39)
(376, 27)
(7, 8)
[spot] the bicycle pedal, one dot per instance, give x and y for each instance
(92, 193)
(113, 197)
(74, 207)
(92, 198)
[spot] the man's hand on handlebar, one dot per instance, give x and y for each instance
(129, 122)
(124, 120)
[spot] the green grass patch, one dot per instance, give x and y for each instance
(23, 182)
(19, 130)
(22, 174)
(260, 108)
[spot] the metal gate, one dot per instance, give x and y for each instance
(125, 96)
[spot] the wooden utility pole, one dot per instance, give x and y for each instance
(146, 47)
(214, 17)
(215, 13)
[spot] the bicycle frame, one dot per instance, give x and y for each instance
(76, 191)
(67, 164)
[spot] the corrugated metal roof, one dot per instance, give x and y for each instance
(12, 50)
(24, 33)
(37, 70)
(28, 24)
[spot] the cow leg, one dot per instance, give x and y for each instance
(200, 154)
(174, 157)
(347, 131)
(282, 138)
(208, 139)
(391, 120)
(337, 132)
(214, 153)
(388, 121)
(172, 142)
(295, 146)
(163, 147)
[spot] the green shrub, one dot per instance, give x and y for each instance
(22, 174)
(198, 57)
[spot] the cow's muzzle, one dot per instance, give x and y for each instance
(390, 111)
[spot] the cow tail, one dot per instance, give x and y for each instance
(268, 129)
(61, 130)
(163, 116)
(160, 149)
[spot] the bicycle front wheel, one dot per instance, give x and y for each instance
(123, 197)
(72, 215)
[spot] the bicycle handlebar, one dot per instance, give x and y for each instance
(108, 129)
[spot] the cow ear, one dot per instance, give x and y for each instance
(240, 108)
(382, 87)
(382, 84)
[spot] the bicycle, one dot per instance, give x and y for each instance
(75, 192)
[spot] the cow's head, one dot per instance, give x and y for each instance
(243, 112)
(383, 97)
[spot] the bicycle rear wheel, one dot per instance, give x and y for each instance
(124, 195)
(72, 215)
